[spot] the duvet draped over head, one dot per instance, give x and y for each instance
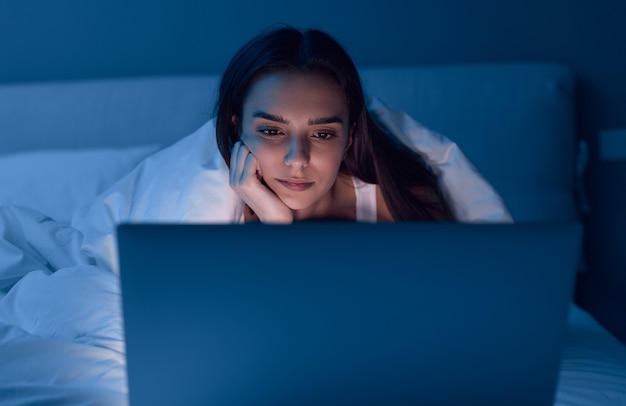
(168, 188)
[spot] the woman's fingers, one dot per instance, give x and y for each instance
(234, 162)
(243, 164)
(237, 161)
(249, 167)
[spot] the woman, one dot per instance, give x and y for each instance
(293, 127)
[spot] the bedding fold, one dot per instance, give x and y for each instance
(32, 241)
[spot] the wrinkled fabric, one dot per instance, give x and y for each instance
(32, 241)
(61, 329)
(186, 182)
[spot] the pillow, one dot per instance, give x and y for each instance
(59, 182)
(188, 182)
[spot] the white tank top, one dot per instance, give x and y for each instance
(366, 210)
(365, 201)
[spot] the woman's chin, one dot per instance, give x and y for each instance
(297, 205)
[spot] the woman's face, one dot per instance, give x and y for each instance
(297, 126)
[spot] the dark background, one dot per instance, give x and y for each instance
(65, 39)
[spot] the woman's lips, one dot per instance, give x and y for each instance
(297, 185)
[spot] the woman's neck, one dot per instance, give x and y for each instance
(338, 203)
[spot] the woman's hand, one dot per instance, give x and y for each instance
(245, 180)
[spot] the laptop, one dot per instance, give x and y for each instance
(345, 313)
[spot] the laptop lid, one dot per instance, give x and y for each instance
(345, 313)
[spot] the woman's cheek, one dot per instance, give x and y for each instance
(267, 153)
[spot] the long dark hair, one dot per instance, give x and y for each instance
(408, 187)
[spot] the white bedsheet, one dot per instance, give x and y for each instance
(61, 332)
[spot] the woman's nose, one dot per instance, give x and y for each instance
(298, 153)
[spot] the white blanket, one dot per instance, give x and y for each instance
(61, 331)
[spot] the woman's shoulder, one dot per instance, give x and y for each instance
(431, 200)
(382, 210)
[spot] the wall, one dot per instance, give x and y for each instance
(65, 39)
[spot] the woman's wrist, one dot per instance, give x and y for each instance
(269, 217)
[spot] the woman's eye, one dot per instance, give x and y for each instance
(324, 135)
(270, 132)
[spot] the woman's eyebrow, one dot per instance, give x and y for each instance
(282, 120)
(271, 117)
(325, 120)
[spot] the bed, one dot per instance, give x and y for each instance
(67, 147)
